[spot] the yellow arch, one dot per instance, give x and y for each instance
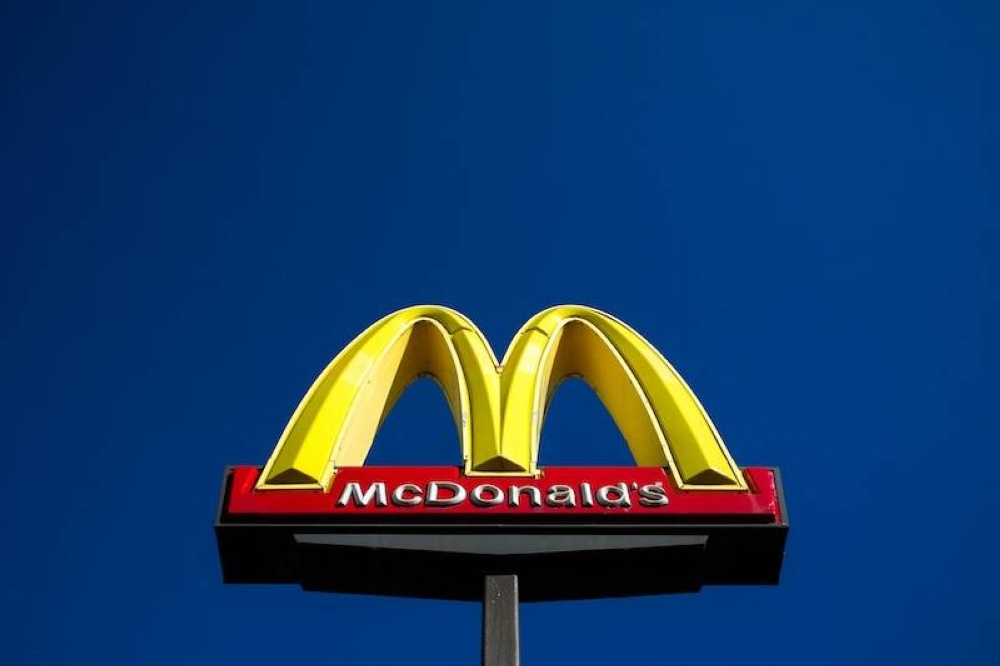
(656, 411)
(499, 409)
(336, 422)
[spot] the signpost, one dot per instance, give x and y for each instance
(500, 528)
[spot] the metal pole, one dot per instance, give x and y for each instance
(500, 630)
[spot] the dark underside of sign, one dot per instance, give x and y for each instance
(574, 557)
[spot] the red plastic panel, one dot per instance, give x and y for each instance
(560, 492)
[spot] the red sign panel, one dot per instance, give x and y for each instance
(557, 492)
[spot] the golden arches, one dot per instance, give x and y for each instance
(658, 414)
(499, 409)
(336, 421)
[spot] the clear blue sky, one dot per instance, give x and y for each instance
(798, 203)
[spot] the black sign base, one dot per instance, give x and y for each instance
(552, 562)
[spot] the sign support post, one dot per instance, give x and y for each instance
(500, 621)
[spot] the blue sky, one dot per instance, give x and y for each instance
(796, 202)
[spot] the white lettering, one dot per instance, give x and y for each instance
(352, 491)
(605, 499)
(399, 495)
(434, 493)
(560, 495)
(496, 495)
(534, 495)
(484, 495)
(653, 494)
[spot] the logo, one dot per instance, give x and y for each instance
(315, 509)
(499, 407)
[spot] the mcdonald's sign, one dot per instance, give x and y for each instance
(685, 515)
